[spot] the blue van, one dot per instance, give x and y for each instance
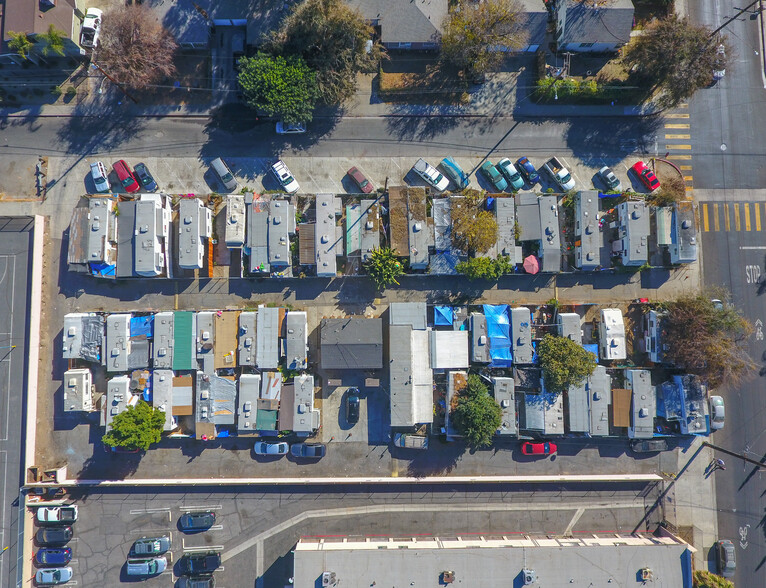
(455, 173)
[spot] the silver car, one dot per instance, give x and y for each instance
(151, 545)
(264, 448)
(53, 576)
(717, 413)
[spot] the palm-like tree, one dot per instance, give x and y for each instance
(20, 43)
(53, 41)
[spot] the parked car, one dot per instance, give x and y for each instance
(224, 174)
(527, 170)
(126, 177)
(151, 545)
(264, 448)
(150, 566)
(646, 175)
(52, 536)
(611, 181)
(360, 180)
(53, 556)
(455, 173)
(100, 177)
(145, 178)
(196, 521)
(205, 562)
(511, 174)
(726, 558)
(717, 413)
(560, 175)
(495, 177)
(717, 304)
(308, 450)
(91, 28)
(352, 406)
(648, 445)
(56, 515)
(196, 582)
(290, 128)
(719, 63)
(406, 441)
(430, 175)
(546, 448)
(53, 576)
(284, 177)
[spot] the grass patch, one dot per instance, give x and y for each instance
(433, 86)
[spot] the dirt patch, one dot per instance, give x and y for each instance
(190, 85)
(431, 84)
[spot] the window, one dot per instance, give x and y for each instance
(587, 44)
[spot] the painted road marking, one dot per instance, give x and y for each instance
(737, 224)
(726, 219)
(672, 137)
(747, 216)
(677, 115)
(757, 209)
(688, 178)
(214, 507)
(689, 188)
(705, 223)
(716, 222)
(685, 105)
(685, 167)
(679, 157)
(682, 147)
(677, 125)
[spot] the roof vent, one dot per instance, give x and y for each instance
(417, 227)
(636, 214)
(447, 577)
(204, 394)
(686, 224)
(643, 413)
(529, 577)
(329, 579)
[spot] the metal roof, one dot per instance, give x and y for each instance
(569, 326)
(449, 349)
(77, 248)
(138, 356)
(578, 412)
(588, 240)
(370, 228)
(505, 395)
(611, 334)
(183, 395)
(184, 341)
(351, 343)
(257, 236)
(325, 246)
(479, 339)
(683, 234)
(102, 231)
(353, 228)
(528, 216)
(644, 404)
(634, 231)
(77, 390)
(83, 336)
(505, 214)
(408, 313)
(280, 213)
(215, 399)
(162, 395)
(296, 409)
(126, 223)
(306, 248)
(442, 214)
(205, 338)
(271, 386)
(246, 345)
(194, 220)
(163, 340)
(550, 239)
(521, 335)
(117, 346)
(249, 392)
(267, 338)
(296, 341)
(117, 397)
(147, 249)
(235, 221)
(410, 375)
(599, 397)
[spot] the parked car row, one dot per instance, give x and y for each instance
(53, 555)
(280, 448)
(130, 180)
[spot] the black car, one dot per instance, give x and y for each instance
(147, 181)
(526, 169)
(207, 581)
(726, 558)
(52, 536)
(352, 406)
(201, 563)
(308, 450)
(196, 521)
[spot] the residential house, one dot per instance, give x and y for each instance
(117, 342)
(257, 235)
(194, 224)
(327, 246)
(654, 322)
(102, 234)
(296, 341)
(83, 336)
(296, 409)
(405, 24)
(479, 339)
(151, 233)
(78, 390)
(247, 339)
(611, 335)
(351, 344)
(599, 390)
(643, 404)
(449, 350)
(247, 404)
(215, 404)
(599, 27)
(162, 357)
(632, 245)
(118, 397)
(505, 214)
(683, 234)
(162, 396)
(184, 341)
(370, 223)
(505, 395)
(33, 19)
(588, 239)
(550, 240)
(684, 400)
(521, 335)
(568, 324)
(234, 234)
(267, 337)
(206, 341)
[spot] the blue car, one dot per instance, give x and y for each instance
(527, 170)
(455, 173)
(53, 556)
(147, 181)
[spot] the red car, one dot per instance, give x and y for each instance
(646, 175)
(546, 448)
(127, 178)
(364, 184)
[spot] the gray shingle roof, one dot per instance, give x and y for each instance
(610, 23)
(405, 21)
(351, 343)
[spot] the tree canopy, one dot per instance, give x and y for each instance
(20, 43)
(474, 230)
(675, 55)
(134, 48)
(475, 413)
(52, 41)
(474, 34)
(484, 268)
(707, 338)
(136, 428)
(706, 579)
(384, 267)
(332, 39)
(279, 86)
(564, 362)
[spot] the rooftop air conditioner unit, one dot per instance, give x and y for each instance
(204, 395)
(529, 577)
(329, 579)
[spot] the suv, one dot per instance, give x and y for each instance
(126, 177)
(57, 515)
(151, 546)
(205, 562)
(286, 180)
(431, 175)
(100, 177)
(54, 536)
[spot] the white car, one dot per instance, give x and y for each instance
(53, 576)
(91, 27)
(717, 413)
(290, 129)
(54, 515)
(284, 177)
(100, 177)
(264, 448)
(719, 64)
(431, 175)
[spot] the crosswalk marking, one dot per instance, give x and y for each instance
(726, 219)
(716, 222)
(677, 115)
(746, 208)
(736, 217)
(671, 137)
(685, 167)
(688, 178)
(679, 157)
(685, 105)
(682, 147)
(757, 210)
(677, 126)
(705, 222)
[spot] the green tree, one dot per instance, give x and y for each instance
(708, 338)
(475, 414)
(136, 428)
(279, 86)
(485, 268)
(474, 230)
(676, 56)
(705, 579)
(20, 43)
(384, 267)
(564, 362)
(332, 39)
(473, 34)
(52, 41)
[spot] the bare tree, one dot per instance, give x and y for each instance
(134, 48)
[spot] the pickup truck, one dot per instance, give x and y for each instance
(559, 174)
(54, 515)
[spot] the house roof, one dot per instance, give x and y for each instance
(325, 245)
(267, 338)
(296, 410)
(99, 228)
(449, 349)
(247, 404)
(281, 218)
(117, 397)
(296, 334)
(683, 233)
(77, 390)
(28, 16)
(215, 399)
(410, 375)
(183, 339)
(408, 313)
(182, 395)
(521, 335)
(246, 345)
(528, 216)
(83, 336)
(599, 397)
(146, 244)
(351, 343)
(479, 338)
(587, 229)
(610, 22)
(612, 334)
(353, 227)
(162, 395)
(117, 342)
(550, 235)
(442, 214)
(505, 213)
(370, 228)
(643, 404)
(193, 221)
(505, 395)
(226, 329)
(634, 219)
(405, 21)
(578, 414)
(126, 224)
(257, 235)
(163, 340)
(235, 221)
(569, 326)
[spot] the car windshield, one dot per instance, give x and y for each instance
(364, 182)
(566, 179)
(153, 567)
(287, 179)
(127, 182)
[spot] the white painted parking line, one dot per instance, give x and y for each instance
(203, 548)
(149, 510)
(149, 532)
(194, 508)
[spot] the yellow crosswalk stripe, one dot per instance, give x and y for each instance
(685, 167)
(683, 106)
(757, 209)
(679, 157)
(682, 147)
(716, 222)
(737, 226)
(705, 223)
(746, 208)
(688, 178)
(677, 115)
(672, 137)
(677, 126)
(726, 219)
(689, 188)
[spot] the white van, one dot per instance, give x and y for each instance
(150, 566)
(224, 174)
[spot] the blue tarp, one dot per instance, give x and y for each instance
(593, 348)
(103, 269)
(142, 325)
(443, 315)
(147, 394)
(222, 433)
(499, 332)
